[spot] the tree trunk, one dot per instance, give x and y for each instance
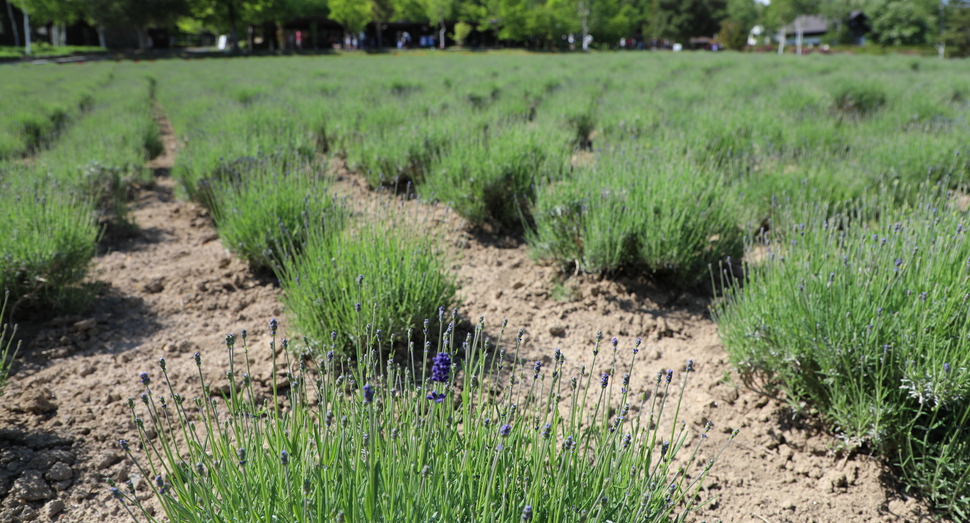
(279, 36)
(584, 19)
(781, 41)
(55, 35)
(142, 39)
(13, 25)
(26, 32)
(63, 35)
(313, 32)
(380, 39)
(798, 37)
(249, 38)
(441, 33)
(101, 37)
(234, 46)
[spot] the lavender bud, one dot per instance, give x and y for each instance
(285, 458)
(241, 454)
(161, 363)
(198, 358)
(145, 380)
(527, 513)
(505, 430)
(124, 445)
(604, 380)
(441, 369)
(368, 393)
(273, 325)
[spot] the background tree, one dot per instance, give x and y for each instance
(957, 35)
(353, 15)
(903, 22)
(680, 20)
(742, 15)
(437, 12)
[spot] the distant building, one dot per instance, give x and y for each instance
(815, 27)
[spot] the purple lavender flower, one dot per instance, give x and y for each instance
(198, 358)
(615, 342)
(527, 513)
(123, 443)
(241, 454)
(368, 393)
(690, 365)
(670, 375)
(604, 380)
(505, 430)
(230, 340)
(145, 380)
(664, 447)
(284, 458)
(441, 367)
(161, 363)
(435, 396)
(636, 345)
(116, 493)
(273, 325)
(946, 368)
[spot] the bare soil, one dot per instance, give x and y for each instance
(173, 289)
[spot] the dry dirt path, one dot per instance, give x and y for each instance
(172, 290)
(168, 291)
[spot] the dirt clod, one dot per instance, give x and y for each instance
(31, 487)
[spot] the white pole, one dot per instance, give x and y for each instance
(26, 32)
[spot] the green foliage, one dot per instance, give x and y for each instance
(395, 275)
(639, 210)
(861, 309)
(7, 349)
(462, 30)
(474, 448)
(858, 98)
(902, 22)
(957, 37)
(353, 15)
(266, 210)
(493, 178)
(49, 240)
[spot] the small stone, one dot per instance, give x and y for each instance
(59, 472)
(34, 401)
(11, 514)
(113, 397)
(85, 325)
(52, 509)
(28, 514)
(517, 285)
(224, 262)
(31, 487)
(107, 459)
(154, 286)
(557, 331)
(61, 486)
(86, 369)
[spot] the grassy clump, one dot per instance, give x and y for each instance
(863, 311)
(266, 211)
(371, 273)
(494, 178)
(858, 99)
(373, 442)
(49, 240)
(7, 349)
(637, 209)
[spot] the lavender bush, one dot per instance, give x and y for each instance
(480, 437)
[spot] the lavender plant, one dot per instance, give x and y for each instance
(50, 238)
(7, 349)
(370, 274)
(375, 441)
(864, 311)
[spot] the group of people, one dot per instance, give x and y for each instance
(404, 40)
